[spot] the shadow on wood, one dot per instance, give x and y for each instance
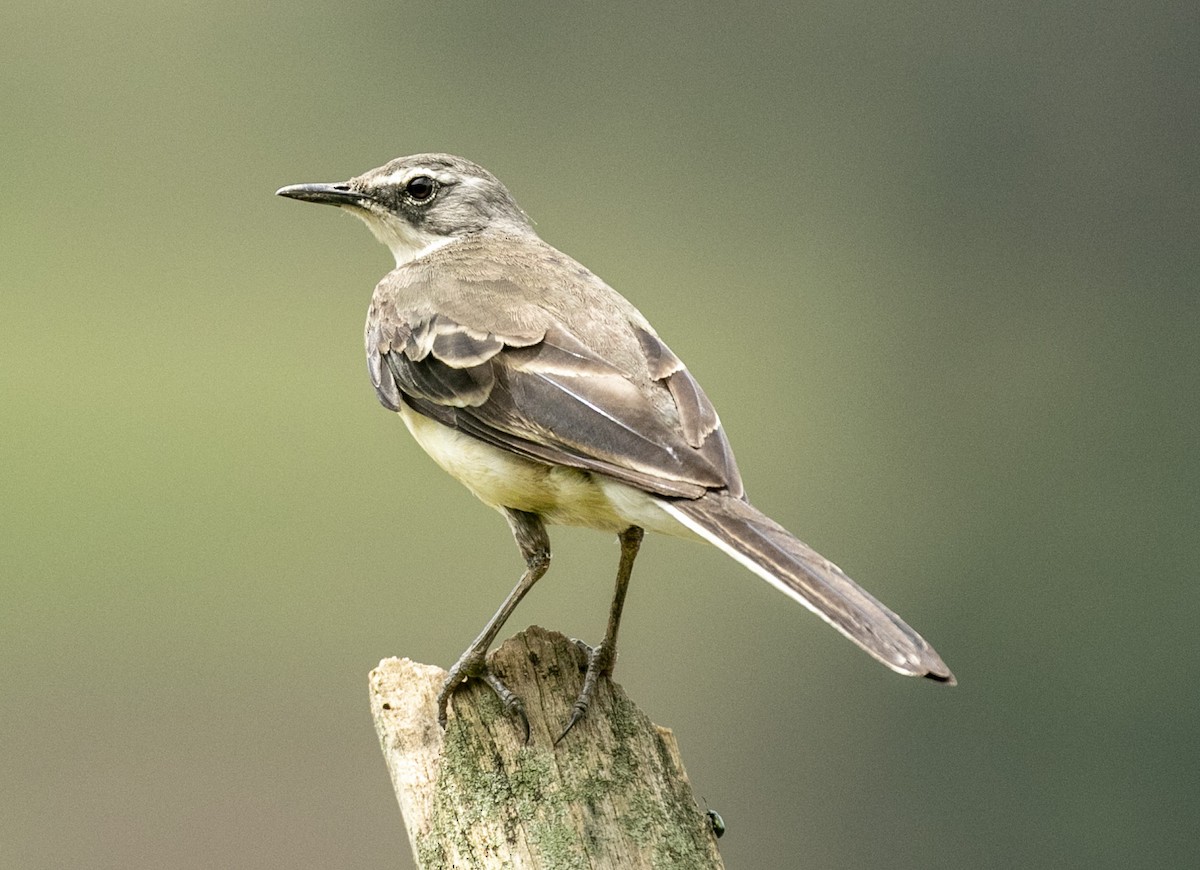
(613, 793)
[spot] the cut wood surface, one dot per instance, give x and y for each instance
(613, 793)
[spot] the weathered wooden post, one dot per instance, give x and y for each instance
(613, 794)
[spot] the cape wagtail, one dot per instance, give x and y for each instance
(553, 400)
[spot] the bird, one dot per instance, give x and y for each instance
(552, 399)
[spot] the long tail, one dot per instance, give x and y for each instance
(772, 552)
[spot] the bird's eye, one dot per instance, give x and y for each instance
(421, 188)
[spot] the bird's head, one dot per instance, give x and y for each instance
(416, 204)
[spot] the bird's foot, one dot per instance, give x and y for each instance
(472, 665)
(600, 661)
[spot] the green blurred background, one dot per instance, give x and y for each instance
(936, 264)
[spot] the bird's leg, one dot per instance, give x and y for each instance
(603, 657)
(531, 537)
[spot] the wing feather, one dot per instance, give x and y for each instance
(545, 390)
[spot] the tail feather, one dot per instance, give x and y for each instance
(772, 552)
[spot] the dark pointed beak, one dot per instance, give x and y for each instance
(329, 194)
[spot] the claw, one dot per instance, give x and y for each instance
(512, 704)
(576, 714)
(472, 665)
(599, 663)
(443, 700)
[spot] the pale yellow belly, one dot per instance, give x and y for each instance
(560, 495)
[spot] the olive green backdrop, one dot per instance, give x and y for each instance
(936, 264)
